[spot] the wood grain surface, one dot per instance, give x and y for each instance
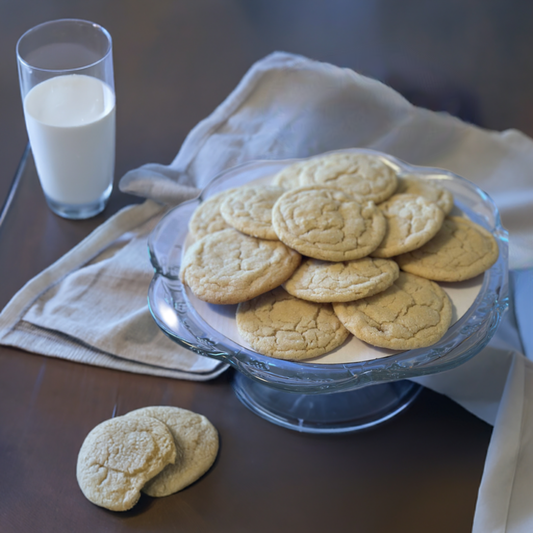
(175, 61)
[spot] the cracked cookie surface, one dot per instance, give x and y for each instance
(344, 281)
(327, 224)
(363, 176)
(289, 177)
(195, 438)
(282, 326)
(249, 209)
(207, 217)
(460, 250)
(229, 267)
(419, 186)
(413, 313)
(411, 222)
(119, 456)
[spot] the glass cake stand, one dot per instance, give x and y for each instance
(315, 396)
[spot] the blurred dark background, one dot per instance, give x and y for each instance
(471, 58)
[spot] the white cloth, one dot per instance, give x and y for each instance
(289, 106)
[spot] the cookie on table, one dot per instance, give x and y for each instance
(282, 326)
(195, 438)
(327, 224)
(228, 267)
(460, 250)
(119, 456)
(419, 186)
(411, 222)
(249, 209)
(207, 217)
(363, 176)
(344, 281)
(413, 313)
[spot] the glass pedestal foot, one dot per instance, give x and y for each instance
(339, 412)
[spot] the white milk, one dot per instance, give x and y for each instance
(71, 126)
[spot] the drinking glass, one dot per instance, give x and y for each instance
(68, 95)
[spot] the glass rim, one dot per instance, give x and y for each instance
(38, 27)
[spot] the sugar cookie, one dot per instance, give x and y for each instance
(289, 177)
(413, 313)
(344, 281)
(249, 209)
(285, 327)
(228, 267)
(327, 224)
(119, 456)
(207, 217)
(195, 438)
(460, 250)
(411, 222)
(429, 189)
(363, 176)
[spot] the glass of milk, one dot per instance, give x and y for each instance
(68, 95)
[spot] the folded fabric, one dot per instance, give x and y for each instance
(90, 306)
(288, 106)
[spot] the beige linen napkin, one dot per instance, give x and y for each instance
(288, 106)
(91, 306)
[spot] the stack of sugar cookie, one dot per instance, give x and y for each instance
(317, 255)
(157, 450)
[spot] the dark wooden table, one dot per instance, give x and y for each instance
(174, 62)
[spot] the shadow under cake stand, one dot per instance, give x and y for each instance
(312, 396)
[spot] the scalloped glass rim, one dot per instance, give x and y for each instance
(170, 307)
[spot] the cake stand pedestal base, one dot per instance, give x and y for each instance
(338, 412)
